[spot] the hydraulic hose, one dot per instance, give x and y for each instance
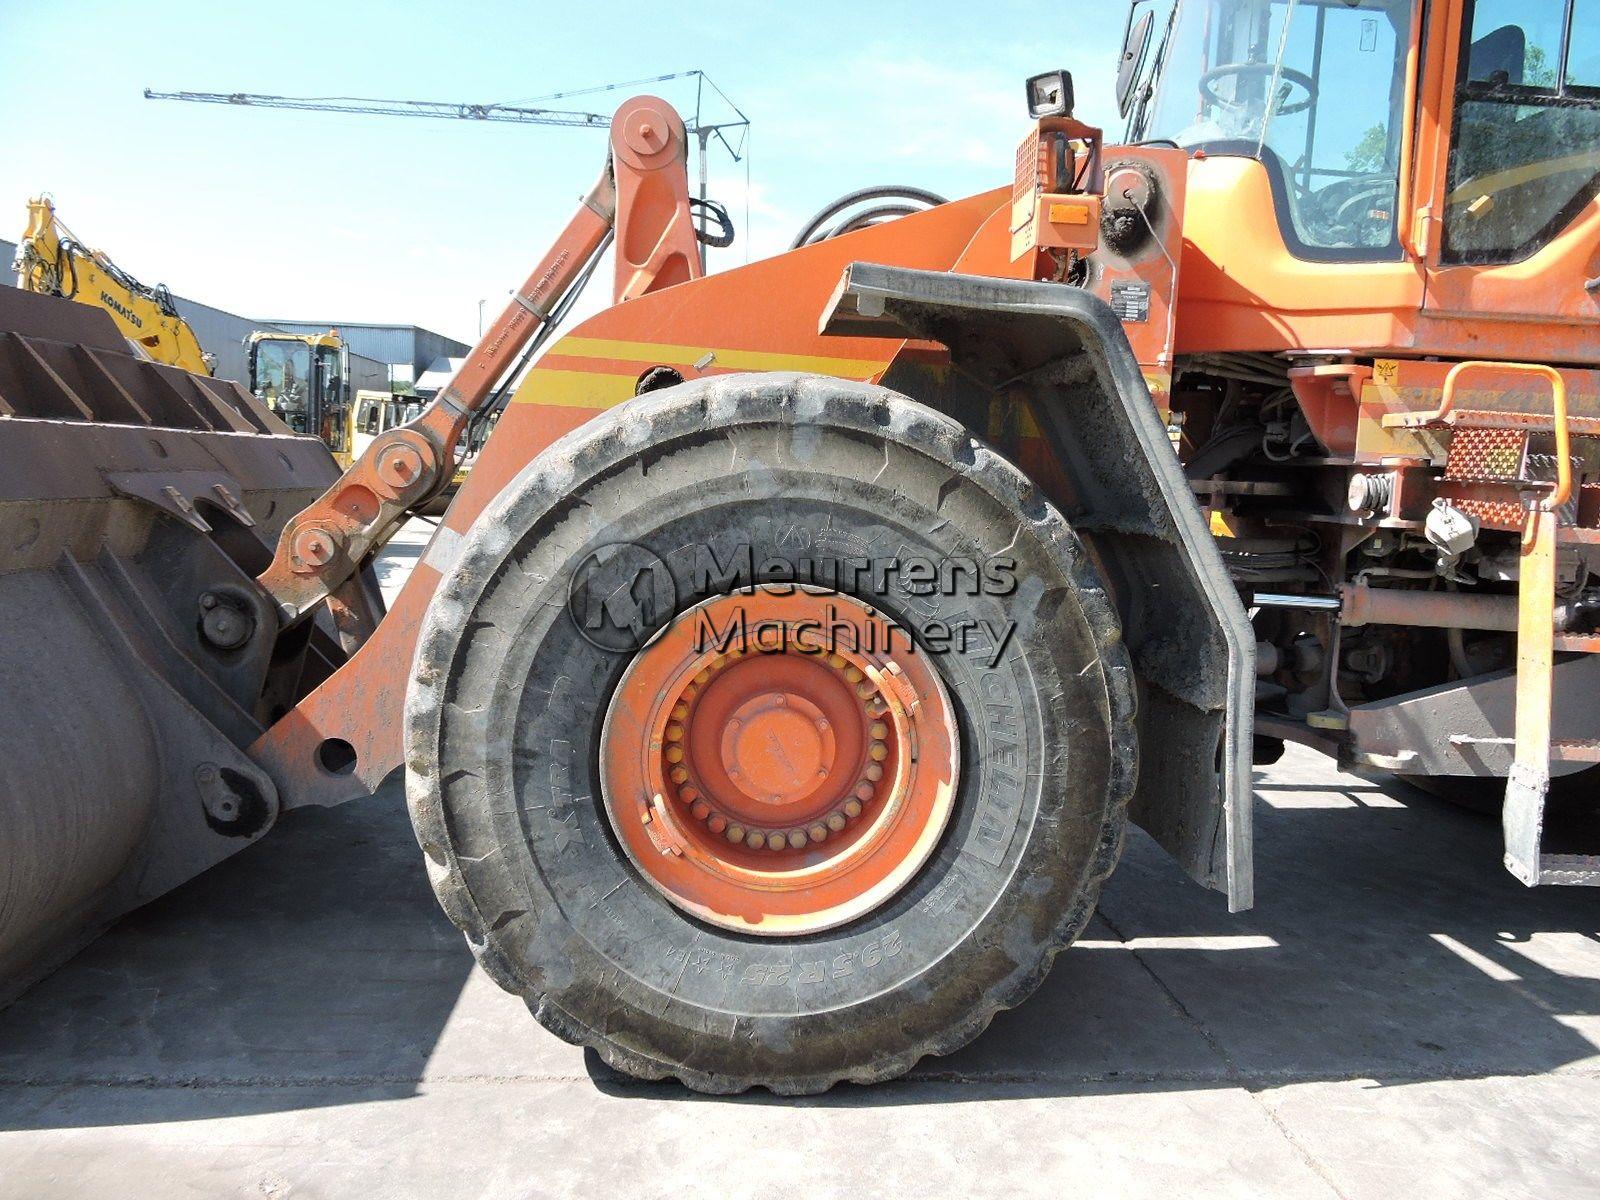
(900, 201)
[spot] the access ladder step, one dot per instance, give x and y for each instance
(1575, 751)
(1577, 643)
(1480, 418)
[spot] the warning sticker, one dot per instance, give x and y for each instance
(1130, 300)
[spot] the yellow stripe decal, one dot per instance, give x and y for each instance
(573, 389)
(734, 360)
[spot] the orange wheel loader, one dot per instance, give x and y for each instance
(774, 694)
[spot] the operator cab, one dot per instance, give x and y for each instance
(1526, 153)
(303, 383)
(1315, 91)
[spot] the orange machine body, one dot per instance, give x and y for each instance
(1204, 270)
(715, 325)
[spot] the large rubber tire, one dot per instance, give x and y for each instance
(504, 714)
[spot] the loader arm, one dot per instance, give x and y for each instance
(402, 469)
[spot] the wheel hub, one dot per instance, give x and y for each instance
(779, 762)
(777, 747)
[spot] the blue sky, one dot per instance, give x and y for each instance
(314, 216)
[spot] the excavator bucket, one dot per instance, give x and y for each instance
(136, 503)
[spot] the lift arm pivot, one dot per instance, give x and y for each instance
(326, 544)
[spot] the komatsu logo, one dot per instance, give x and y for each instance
(121, 310)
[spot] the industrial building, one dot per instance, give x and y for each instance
(408, 349)
(223, 335)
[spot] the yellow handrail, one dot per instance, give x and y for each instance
(1558, 400)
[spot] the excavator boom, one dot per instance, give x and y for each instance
(52, 262)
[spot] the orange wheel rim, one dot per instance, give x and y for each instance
(780, 762)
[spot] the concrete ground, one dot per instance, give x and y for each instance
(1396, 1017)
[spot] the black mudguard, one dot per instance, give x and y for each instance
(1063, 352)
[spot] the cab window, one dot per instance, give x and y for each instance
(280, 371)
(1314, 90)
(1525, 151)
(333, 408)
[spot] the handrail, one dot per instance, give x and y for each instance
(1558, 402)
(1405, 203)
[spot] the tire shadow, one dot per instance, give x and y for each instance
(1387, 944)
(316, 969)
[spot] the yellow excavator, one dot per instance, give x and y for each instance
(51, 260)
(303, 378)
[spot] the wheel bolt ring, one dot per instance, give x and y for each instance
(800, 788)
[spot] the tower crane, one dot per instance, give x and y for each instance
(733, 133)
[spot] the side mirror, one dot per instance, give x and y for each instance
(1134, 45)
